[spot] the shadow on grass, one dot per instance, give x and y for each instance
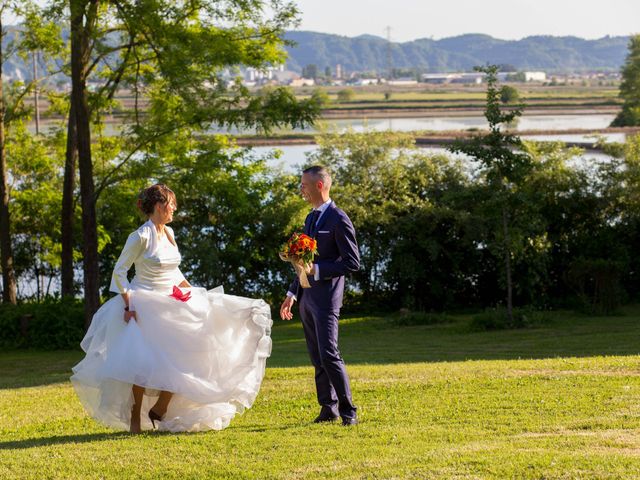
(377, 340)
(61, 440)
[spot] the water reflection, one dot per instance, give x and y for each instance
(440, 124)
(292, 157)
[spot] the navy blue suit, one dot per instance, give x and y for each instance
(320, 305)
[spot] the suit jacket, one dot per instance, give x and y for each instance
(338, 255)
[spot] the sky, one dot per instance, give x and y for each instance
(504, 19)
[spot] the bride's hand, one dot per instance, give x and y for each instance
(128, 315)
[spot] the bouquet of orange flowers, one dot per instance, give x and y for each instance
(300, 250)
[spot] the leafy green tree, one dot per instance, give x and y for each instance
(517, 77)
(170, 55)
(370, 180)
(346, 95)
(36, 171)
(310, 71)
(630, 87)
(509, 94)
(35, 35)
(505, 167)
(320, 97)
(435, 257)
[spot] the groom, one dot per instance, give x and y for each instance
(320, 305)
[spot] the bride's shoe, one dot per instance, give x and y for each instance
(153, 416)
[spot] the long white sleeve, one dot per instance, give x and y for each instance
(133, 248)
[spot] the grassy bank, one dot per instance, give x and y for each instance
(441, 401)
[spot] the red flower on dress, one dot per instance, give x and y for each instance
(179, 295)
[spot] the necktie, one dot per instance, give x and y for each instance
(314, 219)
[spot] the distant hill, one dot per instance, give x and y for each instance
(461, 53)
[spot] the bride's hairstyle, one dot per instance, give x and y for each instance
(158, 193)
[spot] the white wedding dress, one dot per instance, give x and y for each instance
(210, 351)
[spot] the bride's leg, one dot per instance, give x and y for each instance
(162, 404)
(138, 393)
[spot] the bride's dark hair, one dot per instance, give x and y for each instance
(158, 193)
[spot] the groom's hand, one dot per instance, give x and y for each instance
(285, 309)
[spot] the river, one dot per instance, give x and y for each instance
(557, 122)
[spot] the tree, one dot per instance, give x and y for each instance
(516, 77)
(36, 170)
(346, 95)
(310, 71)
(505, 166)
(321, 97)
(509, 94)
(34, 35)
(370, 176)
(172, 54)
(630, 87)
(6, 252)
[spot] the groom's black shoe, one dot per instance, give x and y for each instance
(322, 418)
(326, 415)
(349, 421)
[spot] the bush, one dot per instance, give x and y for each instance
(53, 324)
(346, 95)
(320, 97)
(598, 284)
(497, 319)
(509, 94)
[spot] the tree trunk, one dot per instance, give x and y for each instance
(79, 62)
(6, 254)
(507, 263)
(68, 210)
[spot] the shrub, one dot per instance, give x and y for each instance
(346, 95)
(598, 284)
(320, 97)
(509, 94)
(497, 319)
(51, 325)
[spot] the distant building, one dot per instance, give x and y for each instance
(285, 77)
(403, 81)
(253, 76)
(302, 82)
(338, 71)
(366, 81)
(478, 77)
(535, 76)
(440, 78)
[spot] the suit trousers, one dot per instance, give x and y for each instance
(332, 382)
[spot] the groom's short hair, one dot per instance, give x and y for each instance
(318, 172)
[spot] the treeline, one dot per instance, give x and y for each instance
(429, 225)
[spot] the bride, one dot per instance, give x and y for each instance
(188, 358)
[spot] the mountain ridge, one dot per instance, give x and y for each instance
(368, 53)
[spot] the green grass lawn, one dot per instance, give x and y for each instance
(561, 401)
